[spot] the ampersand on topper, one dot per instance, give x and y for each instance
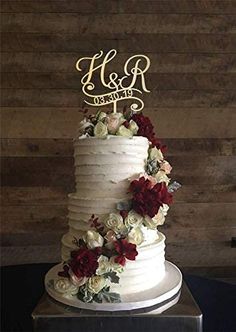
(120, 87)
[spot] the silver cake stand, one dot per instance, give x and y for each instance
(164, 295)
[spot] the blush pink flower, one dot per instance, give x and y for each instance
(166, 167)
(114, 120)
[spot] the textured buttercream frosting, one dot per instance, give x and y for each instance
(103, 169)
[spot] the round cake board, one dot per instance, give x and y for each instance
(164, 295)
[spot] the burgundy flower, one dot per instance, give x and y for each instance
(147, 198)
(140, 185)
(124, 250)
(84, 262)
(65, 272)
(120, 260)
(146, 129)
(94, 222)
(124, 213)
(126, 124)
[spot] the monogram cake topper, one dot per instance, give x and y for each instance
(119, 88)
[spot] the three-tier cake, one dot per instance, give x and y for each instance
(113, 252)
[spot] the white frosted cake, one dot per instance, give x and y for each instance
(113, 248)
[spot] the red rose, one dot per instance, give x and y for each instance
(148, 198)
(84, 262)
(124, 250)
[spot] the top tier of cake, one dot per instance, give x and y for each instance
(103, 166)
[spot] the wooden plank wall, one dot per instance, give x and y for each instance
(192, 47)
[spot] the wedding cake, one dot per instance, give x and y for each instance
(113, 250)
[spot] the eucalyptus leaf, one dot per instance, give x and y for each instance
(112, 276)
(110, 297)
(124, 205)
(152, 166)
(97, 298)
(173, 187)
(84, 295)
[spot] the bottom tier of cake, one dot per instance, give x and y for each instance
(146, 271)
(162, 296)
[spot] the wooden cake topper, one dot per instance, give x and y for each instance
(119, 88)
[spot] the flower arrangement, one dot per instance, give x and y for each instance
(126, 123)
(105, 248)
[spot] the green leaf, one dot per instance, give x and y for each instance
(152, 166)
(110, 297)
(112, 276)
(97, 298)
(84, 295)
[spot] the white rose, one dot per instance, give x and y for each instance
(123, 131)
(156, 154)
(115, 222)
(103, 265)
(149, 235)
(114, 120)
(93, 239)
(164, 209)
(135, 236)
(133, 127)
(100, 130)
(84, 124)
(115, 266)
(96, 283)
(161, 176)
(101, 116)
(64, 286)
(157, 220)
(133, 219)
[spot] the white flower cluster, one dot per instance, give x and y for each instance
(103, 124)
(160, 168)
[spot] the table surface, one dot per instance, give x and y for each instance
(23, 286)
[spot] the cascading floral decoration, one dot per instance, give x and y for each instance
(105, 248)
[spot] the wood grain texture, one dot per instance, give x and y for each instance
(130, 43)
(155, 81)
(117, 23)
(122, 6)
(69, 6)
(170, 63)
(173, 122)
